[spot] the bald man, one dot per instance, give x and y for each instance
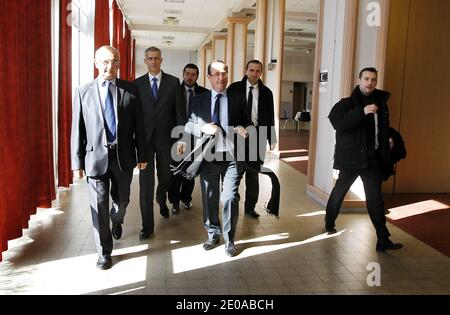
(107, 134)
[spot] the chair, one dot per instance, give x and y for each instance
(297, 120)
(287, 119)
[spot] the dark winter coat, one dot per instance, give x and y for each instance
(348, 119)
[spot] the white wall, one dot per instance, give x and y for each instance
(287, 90)
(298, 66)
(173, 61)
(366, 42)
(332, 42)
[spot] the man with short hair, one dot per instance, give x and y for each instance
(107, 132)
(363, 148)
(163, 108)
(259, 99)
(180, 188)
(220, 113)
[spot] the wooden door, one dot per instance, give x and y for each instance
(418, 76)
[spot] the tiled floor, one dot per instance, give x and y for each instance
(292, 255)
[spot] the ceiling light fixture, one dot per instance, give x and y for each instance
(171, 20)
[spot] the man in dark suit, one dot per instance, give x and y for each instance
(180, 188)
(163, 108)
(222, 114)
(107, 129)
(259, 100)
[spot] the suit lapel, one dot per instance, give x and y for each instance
(208, 106)
(97, 102)
(230, 112)
(162, 86)
(120, 97)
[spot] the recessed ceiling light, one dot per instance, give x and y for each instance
(170, 11)
(174, 1)
(171, 20)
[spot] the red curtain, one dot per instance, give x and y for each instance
(127, 54)
(26, 142)
(101, 26)
(122, 41)
(64, 97)
(117, 26)
(133, 60)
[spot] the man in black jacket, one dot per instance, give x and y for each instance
(259, 99)
(180, 189)
(362, 149)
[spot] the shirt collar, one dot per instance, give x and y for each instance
(158, 76)
(249, 84)
(214, 93)
(101, 80)
(187, 88)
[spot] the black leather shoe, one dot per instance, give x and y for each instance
(210, 244)
(104, 263)
(330, 229)
(116, 231)
(387, 244)
(230, 249)
(163, 210)
(145, 234)
(187, 205)
(252, 214)
(176, 208)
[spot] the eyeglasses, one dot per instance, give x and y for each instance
(110, 62)
(219, 74)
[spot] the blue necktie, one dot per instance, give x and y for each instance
(216, 114)
(155, 88)
(110, 117)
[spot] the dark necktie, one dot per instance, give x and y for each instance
(189, 99)
(250, 101)
(155, 88)
(110, 117)
(216, 114)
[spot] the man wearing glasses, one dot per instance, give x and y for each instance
(107, 132)
(222, 114)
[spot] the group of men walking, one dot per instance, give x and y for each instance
(119, 125)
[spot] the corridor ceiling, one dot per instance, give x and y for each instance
(186, 24)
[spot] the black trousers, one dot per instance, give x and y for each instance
(160, 152)
(180, 189)
(371, 178)
(118, 184)
(251, 187)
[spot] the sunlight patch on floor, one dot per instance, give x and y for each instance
(194, 257)
(416, 209)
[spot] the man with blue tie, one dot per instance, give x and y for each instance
(163, 109)
(107, 132)
(222, 114)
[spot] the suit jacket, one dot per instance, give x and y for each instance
(198, 89)
(200, 112)
(88, 139)
(168, 111)
(266, 115)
